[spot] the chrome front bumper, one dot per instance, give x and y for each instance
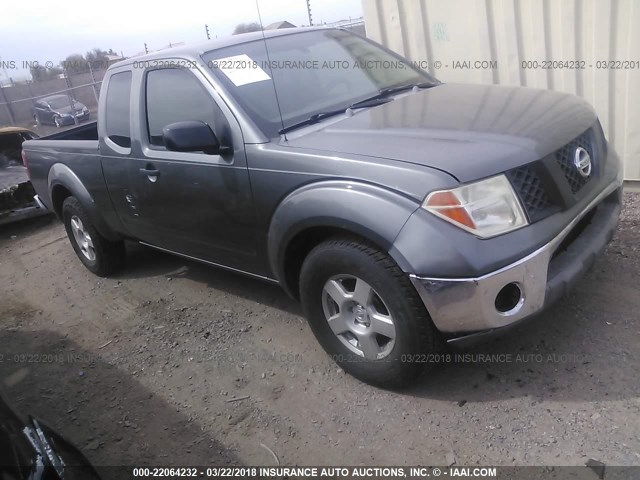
(468, 305)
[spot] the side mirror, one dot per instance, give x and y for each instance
(190, 136)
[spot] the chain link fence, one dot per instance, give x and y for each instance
(17, 100)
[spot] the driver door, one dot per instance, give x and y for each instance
(193, 203)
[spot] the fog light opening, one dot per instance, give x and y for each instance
(509, 299)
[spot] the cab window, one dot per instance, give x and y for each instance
(176, 95)
(118, 119)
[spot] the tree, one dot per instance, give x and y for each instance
(39, 73)
(75, 63)
(247, 27)
(98, 58)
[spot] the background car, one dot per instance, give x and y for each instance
(59, 110)
(31, 450)
(16, 192)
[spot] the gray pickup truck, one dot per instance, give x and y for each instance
(404, 213)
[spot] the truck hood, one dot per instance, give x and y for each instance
(468, 131)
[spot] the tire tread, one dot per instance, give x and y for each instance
(428, 338)
(111, 255)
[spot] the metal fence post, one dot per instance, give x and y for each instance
(8, 105)
(93, 82)
(67, 80)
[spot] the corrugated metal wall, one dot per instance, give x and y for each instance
(443, 32)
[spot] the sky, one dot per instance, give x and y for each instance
(50, 31)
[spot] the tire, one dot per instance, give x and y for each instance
(99, 255)
(395, 357)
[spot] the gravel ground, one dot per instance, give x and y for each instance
(172, 362)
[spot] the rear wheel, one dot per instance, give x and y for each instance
(365, 313)
(99, 255)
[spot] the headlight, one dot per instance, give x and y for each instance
(486, 208)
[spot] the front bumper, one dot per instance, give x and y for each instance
(461, 307)
(71, 119)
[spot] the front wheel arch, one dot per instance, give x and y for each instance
(318, 210)
(305, 241)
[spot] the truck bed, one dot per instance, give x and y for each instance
(88, 131)
(74, 150)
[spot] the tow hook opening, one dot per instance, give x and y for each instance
(509, 299)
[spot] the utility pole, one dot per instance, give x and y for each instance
(309, 11)
(206, 28)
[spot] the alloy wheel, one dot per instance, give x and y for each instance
(358, 316)
(83, 239)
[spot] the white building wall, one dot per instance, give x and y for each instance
(441, 32)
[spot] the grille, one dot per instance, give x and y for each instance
(565, 155)
(530, 189)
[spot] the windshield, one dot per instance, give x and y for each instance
(59, 102)
(313, 72)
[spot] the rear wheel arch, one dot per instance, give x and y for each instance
(98, 254)
(63, 183)
(59, 193)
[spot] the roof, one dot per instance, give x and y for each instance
(13, 130)
(281, 24)
(50, 97)
(197, 49)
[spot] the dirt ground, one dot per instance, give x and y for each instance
(172, 362)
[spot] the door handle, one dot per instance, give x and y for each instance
(151, 173)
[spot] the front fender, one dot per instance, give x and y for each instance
(61, 175)
(368, 210)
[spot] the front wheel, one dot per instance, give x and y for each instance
(99, 255)
(365, 313)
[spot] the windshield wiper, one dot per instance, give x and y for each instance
(316, 117)
(387, 92)
(378, 99)
(410, 86)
